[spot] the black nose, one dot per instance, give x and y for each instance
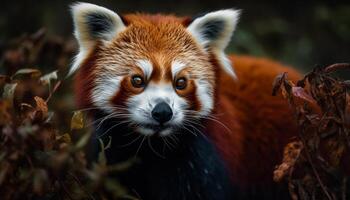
(162, 112)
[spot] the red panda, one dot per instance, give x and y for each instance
(202, 124)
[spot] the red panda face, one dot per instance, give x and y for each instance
(153, 72)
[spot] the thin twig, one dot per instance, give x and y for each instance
(336, 66)
(314, 169)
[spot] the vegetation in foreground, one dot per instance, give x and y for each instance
(42, 140)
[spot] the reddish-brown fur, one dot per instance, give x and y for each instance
(253, 125)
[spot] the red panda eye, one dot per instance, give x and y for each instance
(181, 83)
(137, 81)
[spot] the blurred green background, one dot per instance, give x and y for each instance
(301, 34)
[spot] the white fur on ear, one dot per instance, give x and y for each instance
(214, 31)
(93, 23)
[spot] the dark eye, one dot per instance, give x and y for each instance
(137, 81)
(181, 83)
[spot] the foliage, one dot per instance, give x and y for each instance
(37, 159)
(42, 155)
(316, 164)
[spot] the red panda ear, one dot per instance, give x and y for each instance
(93, 23)
(214, 31)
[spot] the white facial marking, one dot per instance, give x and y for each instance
(205, 97)
(106, 88)
(141, 106)
(145, 131)
(176, 67)
(165, 132)
(146, 67)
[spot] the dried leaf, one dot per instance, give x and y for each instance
(47, 78)
(290, 156)
(41, 106)
(35, 162)
(65, 138)
(321, 106)
(77, 121)
(28, 72)
(336, 150)
(278, 82)
(301, 93)
(9, 91)
(337, 66)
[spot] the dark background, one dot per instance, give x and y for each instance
(301, 34)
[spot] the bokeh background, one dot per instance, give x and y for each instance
(297, 33)
(37, 34)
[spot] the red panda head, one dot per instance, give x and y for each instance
(156, 72)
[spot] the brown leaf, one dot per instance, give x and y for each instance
(41, 106)
(77, 121)
(290, 156)
(336, 67)
(336, 151)
(65, 138)
(301, 93)
(278, 82)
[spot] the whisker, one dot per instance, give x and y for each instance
(209, 117)
(134, 140)
(165, 143)
(122, 122)
(150, 145)
(99, 119)
(171, 145)
(189, 131)
(138, 149)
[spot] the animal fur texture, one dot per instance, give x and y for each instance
(202, 124)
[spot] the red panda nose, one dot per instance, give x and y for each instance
(162, 112)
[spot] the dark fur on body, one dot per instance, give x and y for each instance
(192, 170)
